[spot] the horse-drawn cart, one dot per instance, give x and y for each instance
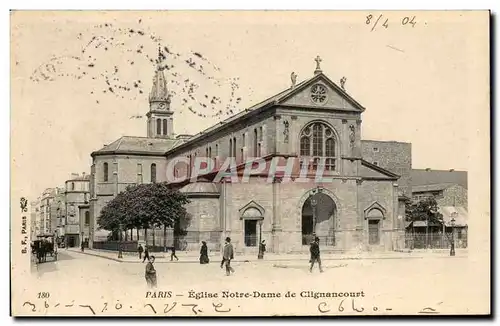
(44, 246)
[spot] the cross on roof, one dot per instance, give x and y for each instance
(318, 61)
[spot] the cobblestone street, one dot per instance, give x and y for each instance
(437, 282)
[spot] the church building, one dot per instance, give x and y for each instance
(316, 123)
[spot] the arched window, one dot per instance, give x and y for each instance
(153, 173)
(165, 126)
(230, 147)
(105, 172)
(317, 142)
(158, 126)
(234, 147)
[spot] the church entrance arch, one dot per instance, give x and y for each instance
(319, 212)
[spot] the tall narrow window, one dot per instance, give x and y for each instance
(206, 152)
(158, 126)
(230, 147)
(260, 134)
(72, 186)
(165, 126)
(87, 218)
(255, 142)
(210, 152)
(234, 147)
(105, 172)
(216, 150)
(153, 173)
(139, 173)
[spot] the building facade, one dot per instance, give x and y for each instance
(446, 194)
(356, 206)
(77, 195)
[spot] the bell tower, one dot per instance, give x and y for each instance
(160, 121)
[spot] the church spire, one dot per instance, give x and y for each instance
(160, 122)
(159, 91)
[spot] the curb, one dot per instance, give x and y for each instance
(257, 260)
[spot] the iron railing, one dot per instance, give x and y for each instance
(325, 240)
(434, 240)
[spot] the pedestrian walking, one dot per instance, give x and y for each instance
(172, 255)
(82, 245)
(140, 249)
(315, 254)
(228, 255)
(204, 253)
(262, 249)
(146, 253)
(151, 273)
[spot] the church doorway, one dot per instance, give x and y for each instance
(373, 232)
(251, 233)
(318, 219)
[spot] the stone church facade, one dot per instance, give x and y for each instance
(315, 123)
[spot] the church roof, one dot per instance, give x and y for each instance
(203, 187)
(138, 145)
(369, 171)
(276, 99)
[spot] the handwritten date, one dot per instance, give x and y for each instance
(374, 22)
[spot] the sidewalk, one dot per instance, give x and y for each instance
(193, 257)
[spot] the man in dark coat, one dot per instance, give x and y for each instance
(150, 274)
(140, 249)
(228, 255)
(172, 255)
(262, 249)
(146, 254)
(315, 254)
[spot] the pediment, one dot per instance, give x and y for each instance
(252, 210)
(321, 92)
(375, 210)
(371, 171)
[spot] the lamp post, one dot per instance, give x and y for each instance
(452, 247)
(261, 252)
(314, 202)
(120, 254)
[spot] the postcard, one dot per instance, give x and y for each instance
(250, 163)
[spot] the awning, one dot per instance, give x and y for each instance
(420, 224)
(461, 216)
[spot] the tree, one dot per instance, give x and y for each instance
(144, 206)
(423, 210)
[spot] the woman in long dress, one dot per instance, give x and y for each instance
(151, 273)
(204, 253)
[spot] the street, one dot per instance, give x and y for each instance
(409, 285)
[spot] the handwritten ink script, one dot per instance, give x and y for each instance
(381, 21)
(24, 226)
(156, 308)
(213, 303)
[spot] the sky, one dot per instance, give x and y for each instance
(80, 80)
